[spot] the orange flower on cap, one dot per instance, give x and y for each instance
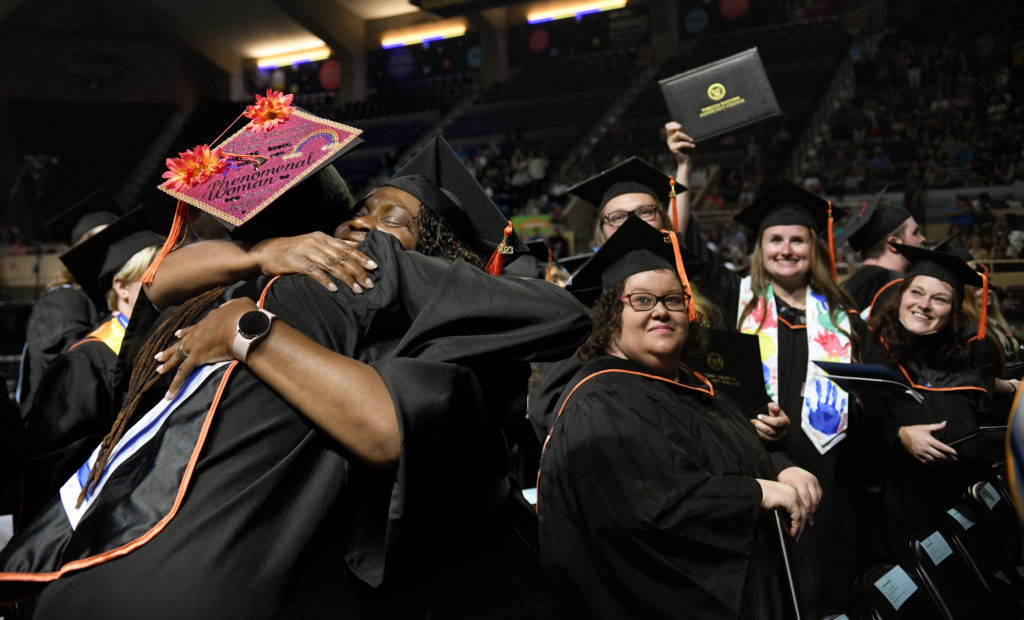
(268, 112)
(193, 167)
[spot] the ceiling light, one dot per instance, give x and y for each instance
(423, 33)
(293, 58)
(551, 11)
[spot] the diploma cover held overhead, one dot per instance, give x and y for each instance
(721, 97)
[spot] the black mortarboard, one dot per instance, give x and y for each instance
(634, 248)
(872, 223)
(633, 176)
(95, 261)
(572, 263)
(944, 244)
(319, 203)
(96, 209)
(949, 268)
(438, 178)
(786, 204)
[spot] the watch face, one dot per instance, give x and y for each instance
(253, 323)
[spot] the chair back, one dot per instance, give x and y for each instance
(950, 578)
(889, 592)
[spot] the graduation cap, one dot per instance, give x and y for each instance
(787, 204)
(437, 177)
(634, 248)
(573, 263)
(95, 261)
(96, 209)
(947, 267)
(272, 183)
(872, 224)
(945, 244)
(633, 176)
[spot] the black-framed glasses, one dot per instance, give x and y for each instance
(642, 302)
(647, 213)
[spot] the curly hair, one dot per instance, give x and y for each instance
(438, 238)
(952, 342)
(606, 319)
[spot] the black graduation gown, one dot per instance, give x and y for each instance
(866, 281)
(647, 501)
(66, 418)
(276, 520)
(60, 318)
(825, 557)
(912, 491)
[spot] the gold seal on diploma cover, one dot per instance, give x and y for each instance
(716, 91)
(715, 361)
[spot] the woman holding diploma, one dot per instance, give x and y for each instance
(922, 333)
(792, 302)
(653, 490)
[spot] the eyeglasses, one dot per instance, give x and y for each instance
(642, 302)
(647, 213)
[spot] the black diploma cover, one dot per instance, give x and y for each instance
(732, 362)
(721, 97)
(986, 444)
(869, 378)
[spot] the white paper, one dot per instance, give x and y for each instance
(937, 548)
(989, 494)
(960, 518)
(897, 586)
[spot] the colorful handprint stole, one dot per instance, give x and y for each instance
(825, 411)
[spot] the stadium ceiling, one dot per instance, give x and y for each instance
(225, 31)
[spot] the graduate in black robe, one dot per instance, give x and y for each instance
(65, 313)
(652, 490)
(825, 559)
(285, 514)
(872, 231)
(77, 398)
(922, 334)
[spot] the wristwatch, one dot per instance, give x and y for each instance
(253, 326)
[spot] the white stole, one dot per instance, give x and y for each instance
(824, 414)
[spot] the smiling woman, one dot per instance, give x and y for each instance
(615, 529)
(923, 334)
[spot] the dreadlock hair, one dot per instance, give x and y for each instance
(820, 279)
(438, 238)
(144, 376)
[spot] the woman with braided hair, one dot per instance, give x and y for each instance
(322, 452)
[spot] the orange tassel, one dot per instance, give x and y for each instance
(672, 198)
(177, 227)
(682, 274)
(983, 318)
(831, 244)
(547, 274)
(497, 261)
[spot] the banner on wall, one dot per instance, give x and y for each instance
(532, 227)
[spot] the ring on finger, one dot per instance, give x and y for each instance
(182, 352)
